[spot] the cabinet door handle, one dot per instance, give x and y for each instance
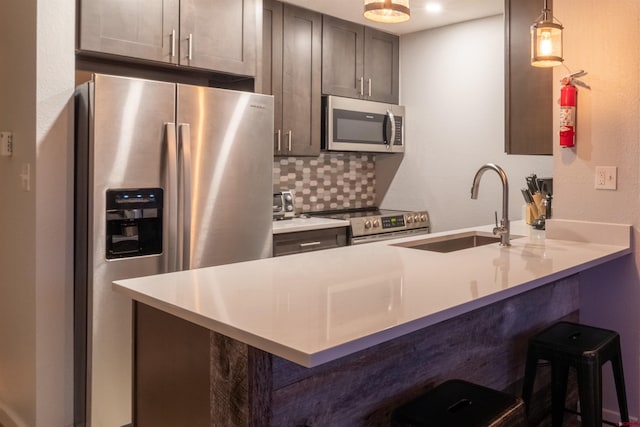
(173, 43)
(369, 88)
(279, 139)
(309, 244)
(290, 133)
(190, 50)
(361, 86)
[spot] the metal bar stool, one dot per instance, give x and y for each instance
(586, 349)
(457, 403)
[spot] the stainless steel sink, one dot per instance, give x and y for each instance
(453, 242)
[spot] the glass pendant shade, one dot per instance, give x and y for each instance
(387, 11)
(546, 40)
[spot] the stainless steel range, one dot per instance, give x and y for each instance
(373, 224)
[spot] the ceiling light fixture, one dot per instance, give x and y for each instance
(546, 40)
(433, 7)
(387, 11)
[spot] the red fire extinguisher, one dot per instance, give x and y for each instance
(568, 103)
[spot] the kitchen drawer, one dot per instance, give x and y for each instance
(307, 241)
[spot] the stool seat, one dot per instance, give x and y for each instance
(586, 349)
(457, 403)
(573, 341)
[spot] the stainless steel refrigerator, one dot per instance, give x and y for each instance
(168, 177)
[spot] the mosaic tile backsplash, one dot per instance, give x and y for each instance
(330, 181)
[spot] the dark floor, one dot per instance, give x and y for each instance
(569, 421)
(572, 421)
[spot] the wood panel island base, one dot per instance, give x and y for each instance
(189, 375)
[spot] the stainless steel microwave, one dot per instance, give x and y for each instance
(358, 125)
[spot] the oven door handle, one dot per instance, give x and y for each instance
(388, 236)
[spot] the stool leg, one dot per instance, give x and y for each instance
(559, 375)
(530, 368)
(618, 376)
(590, 392)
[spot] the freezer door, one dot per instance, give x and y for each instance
(129, 130)
(225, 162)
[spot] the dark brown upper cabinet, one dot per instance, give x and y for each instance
(528, 90)
(291, 69)
(359, 62)
(217, 35)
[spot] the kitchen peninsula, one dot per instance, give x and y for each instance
(342, 337)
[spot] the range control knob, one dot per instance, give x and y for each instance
(289, 208)
(376, 223)
(409, 219)
(416, 218)
(287, 197)
(367, 224)
(423, 218)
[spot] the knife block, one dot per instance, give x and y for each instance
(538, 199)
(530, 214)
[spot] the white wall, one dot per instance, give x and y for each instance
(54, 211)
(36, 84)
(453, 88)
(603, 38)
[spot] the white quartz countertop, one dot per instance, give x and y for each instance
(315, 307)
(306, 224)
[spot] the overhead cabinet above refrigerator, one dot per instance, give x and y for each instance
(215, 35)
(168, 177)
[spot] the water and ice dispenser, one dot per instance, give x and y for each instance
(134, 222)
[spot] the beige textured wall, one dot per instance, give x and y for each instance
(603, 37)
(17, 214)
(36, 82)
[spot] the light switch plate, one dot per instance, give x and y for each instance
(25, 177)
(6, 144)
(606, 178)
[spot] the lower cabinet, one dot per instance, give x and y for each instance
(307, 241)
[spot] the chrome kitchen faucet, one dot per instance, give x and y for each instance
(501, 229)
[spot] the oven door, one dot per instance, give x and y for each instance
(388, 236)
(357, 125)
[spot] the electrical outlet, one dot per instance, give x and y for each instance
(6, 144)
(606, 178)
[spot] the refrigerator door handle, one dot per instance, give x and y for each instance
(172, 190)
(184, 183)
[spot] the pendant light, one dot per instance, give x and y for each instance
(387, 11)
(546, 40)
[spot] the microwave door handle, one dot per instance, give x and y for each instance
(390, 135)
(184, 183)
